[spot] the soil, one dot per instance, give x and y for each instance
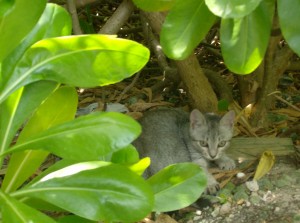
(276, 201)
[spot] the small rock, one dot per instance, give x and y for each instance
(277, 209)
(268, 197)
(252, 185)
(240, 175)
(216, 212)
(196, 218)
(225, 208)
(198, 212)
(248, 204)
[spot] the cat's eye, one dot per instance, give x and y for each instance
(222, 143)
(203, 143)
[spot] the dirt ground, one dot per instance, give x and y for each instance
(276, 201)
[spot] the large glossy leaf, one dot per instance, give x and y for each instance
(14, 211)
(73, 219)
(288, 12)
(18, 106)
(185, 26)
(232, 8)
(23, 164)
(154, 5)
(55, 21)
(84, 61)
(96, 191)
(244, 41)
(177, 186)
(16, 22)
(86, 138)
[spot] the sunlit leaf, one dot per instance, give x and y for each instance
(180, 183)
(128, 155)
(16, 22)
(14, 211)
(140, 166)
(96, 191)
(232, 8)
(84, 61)
(244, 40)
(96, 134)
(18, 106)
(23, 164)
(288, 13)
(55, 21)
(185, 26)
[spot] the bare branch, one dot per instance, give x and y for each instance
(117, 20)
(72, 10)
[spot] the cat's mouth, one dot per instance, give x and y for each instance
(212, 157)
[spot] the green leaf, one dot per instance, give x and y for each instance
(18, 106)
(140, 167)
(74, 219)
(55, 21)
(185, 26)
(154, 5)
(223, 105)
(23, 164)
(86, 138)
(6, 6)
(96, 191)
(177, 186)
(244, 41)
(84, 61)
(16, 22)
(127, 156)
(14, 211)
(232, 8)
(288, 13)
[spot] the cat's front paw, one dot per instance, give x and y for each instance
(226, 164)
(212, 185)
(212, 188)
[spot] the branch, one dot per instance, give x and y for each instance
(72, 10)
(82, 3)
(117, 20)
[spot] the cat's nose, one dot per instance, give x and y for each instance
(213, 156)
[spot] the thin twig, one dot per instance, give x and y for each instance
(283, 100)
(72, 10)
(136, 77)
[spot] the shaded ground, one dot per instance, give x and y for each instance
(276, 201)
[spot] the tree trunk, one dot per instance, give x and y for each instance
(200, 92)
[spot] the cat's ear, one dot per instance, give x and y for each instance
(197, 119)
(228, 119)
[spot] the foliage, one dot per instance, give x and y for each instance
(98, 176)
(245, 28)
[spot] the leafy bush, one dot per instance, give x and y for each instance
(98, 176)
(244, 31)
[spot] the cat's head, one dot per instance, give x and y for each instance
(211, 133)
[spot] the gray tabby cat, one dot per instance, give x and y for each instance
(172, 136)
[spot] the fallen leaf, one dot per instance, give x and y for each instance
(265, 164)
